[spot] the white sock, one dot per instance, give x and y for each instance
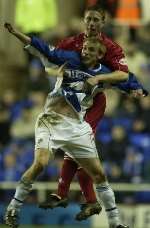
(106, 195)
(22, 192)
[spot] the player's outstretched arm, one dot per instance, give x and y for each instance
(133, 86)
(22, 37)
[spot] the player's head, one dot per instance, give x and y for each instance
(94, 19)
(93, 50)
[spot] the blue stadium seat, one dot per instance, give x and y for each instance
(124, 122)
(105, 125)
(140, 140)
(104, 137)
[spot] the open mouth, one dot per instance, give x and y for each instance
(92, 29)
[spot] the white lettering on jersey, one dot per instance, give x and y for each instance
(77, 74)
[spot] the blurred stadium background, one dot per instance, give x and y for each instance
(124, 134)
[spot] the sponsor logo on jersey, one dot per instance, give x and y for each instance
(76, 74)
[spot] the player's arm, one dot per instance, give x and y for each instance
(116, 61)
(54, 55)
(54, 72)
(132, 86)
(19, 35)
(113, 77)
(57, 71)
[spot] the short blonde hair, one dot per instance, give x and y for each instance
(96, 41)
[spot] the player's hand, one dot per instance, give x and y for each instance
(89, 84)
(92, 81)
(56, 72)
(9, 27)
(137, 93)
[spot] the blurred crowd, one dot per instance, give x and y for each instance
(123, 136)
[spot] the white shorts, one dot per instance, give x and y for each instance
(53, 131)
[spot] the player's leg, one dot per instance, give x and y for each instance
(86, 184)
(59, 199)
(41, 159)
(42, 155)
(87, 157)
(67, 173)
(91, 205)
(93, 117)
(104, 192)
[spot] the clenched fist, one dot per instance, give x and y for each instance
(9, 27)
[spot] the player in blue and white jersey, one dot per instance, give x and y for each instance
(60, 127)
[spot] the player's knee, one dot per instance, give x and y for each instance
(42, 163)
(99, 178)
(39, 164)
(38, 167)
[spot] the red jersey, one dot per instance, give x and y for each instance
(114, 59)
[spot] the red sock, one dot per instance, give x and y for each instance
(86, 184)
(68, 171)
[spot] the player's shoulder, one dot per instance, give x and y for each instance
(109, 43)
(71, 41)
(79, 36)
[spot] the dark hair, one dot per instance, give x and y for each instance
(99, 8)
(96, 7)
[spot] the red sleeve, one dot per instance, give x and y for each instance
(114, 57)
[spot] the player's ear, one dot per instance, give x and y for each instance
(103, 17)
(84, 20)
(101, 54)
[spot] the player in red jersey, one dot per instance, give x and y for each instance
(114, 58)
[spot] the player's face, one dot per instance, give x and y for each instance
(90, 54)
(93, 21)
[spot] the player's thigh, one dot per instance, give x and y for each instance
(43, 151)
